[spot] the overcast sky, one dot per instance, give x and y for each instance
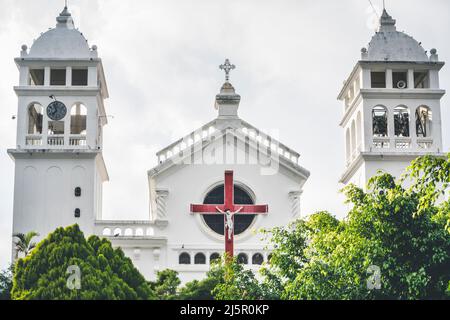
(161, 62)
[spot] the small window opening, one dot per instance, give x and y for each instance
(35, 114)
(400, 79)
(77, 213)
(79, 77)
(378, 79)
(58, 77)
(78, 115)
(37, 77)
(242, 258)
(214, 257)
(77, 192)
(199, 258)
(184, 258)
(55, 127)
(421, 80)
(257, 259)
(423, 121)
(401, 121)
(380, 121)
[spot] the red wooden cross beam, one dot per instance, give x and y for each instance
(229, 209)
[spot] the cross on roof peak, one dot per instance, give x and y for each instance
(227, 67)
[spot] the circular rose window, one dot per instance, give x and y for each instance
(216, 222)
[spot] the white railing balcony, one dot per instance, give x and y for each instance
(424, 143)
(59, 141)
(77, 141)
(56, 140)
(402, 143)
(381, 143)
(33, 140)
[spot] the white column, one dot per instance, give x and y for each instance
(47, 76)
(24, 76)
(434, 79)
(410, 78)
(389, 84)
(412, 125)
(68, 76)
(366, 81)
(92, 76)
(391, 128)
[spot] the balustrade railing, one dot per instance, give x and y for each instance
(57, 141)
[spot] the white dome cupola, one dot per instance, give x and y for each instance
(388, 44)
(61, 42)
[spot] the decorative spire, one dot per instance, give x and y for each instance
(387, 23)
(227, 67)
(227, 101)
(65, 18)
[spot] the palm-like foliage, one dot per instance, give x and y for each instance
(24, 242)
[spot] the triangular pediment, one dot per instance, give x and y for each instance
(200, 146)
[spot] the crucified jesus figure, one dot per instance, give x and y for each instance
(229, 224)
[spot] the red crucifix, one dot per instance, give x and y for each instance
(229, 209)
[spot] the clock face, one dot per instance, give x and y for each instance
(56, 110)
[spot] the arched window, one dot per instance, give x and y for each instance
(35, 113)
(199, 258)
(241, 221)
(358, 130)
(107, 232)
(184, 258)
(257, 259)
(214, 257)
(347, 144)
(353, 137)
(128, 232)
(242, 258)
(139, 232)
(78, 115)
(379, 121)
(423, 121)
(117, 232)
(401, 121)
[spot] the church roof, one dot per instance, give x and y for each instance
(388, 44)
(61, 42)
(242, 130)
(199, 139)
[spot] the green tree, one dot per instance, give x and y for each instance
(24, 242)
(393, 244)
(6, 283)
(234, 282)
(382, 232)
(203, 289)
(166, 284)
(49, 272)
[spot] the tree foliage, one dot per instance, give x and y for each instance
(166, 284)
(24, 243)
(394, 243)
(6, 283)
(105, 272)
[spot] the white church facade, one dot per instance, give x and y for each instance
(219, 184)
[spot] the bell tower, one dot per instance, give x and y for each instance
(391, 104)
(59, 167)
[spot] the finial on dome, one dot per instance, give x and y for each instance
(227, 101)
(227, 67)
(387, 23)
(65, 18)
